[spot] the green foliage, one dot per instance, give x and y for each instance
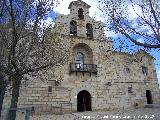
(53, 37)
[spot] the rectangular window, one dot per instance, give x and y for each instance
(130, 90)
(127, 70)
(144, 70)
(49, 89)
(57, 83)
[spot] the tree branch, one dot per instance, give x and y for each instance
(51, 64)
(154, 13)
(135, 41)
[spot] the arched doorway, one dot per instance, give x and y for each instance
(149, 97)
(84, 101)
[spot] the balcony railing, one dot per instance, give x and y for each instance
(77, 67)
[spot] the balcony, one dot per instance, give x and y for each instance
(77, 67)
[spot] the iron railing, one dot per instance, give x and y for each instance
(77, 67)
(60, 108)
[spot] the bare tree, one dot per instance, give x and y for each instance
(138, 21)
(26, 45)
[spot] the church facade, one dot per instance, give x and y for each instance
(95, 77)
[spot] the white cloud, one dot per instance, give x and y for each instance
(111, 34)
(134, 11)
(62, 8)
(135, 24)
(150, 32)
(140, 40)
(147, 29)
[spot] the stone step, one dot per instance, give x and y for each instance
(152, 106)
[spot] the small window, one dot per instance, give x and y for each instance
(80, 14)
(49, 89)
(73, 27)
(130, 89)
(127, 70)
(32, 108)
(144, 70)
(57, 83)
(89, 31)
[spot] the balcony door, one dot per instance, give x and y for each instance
(79, 60)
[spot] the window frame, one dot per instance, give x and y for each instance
(49, 89)
(130, 89)
(80, 58)
(144, 70)
(127, 70)
(73, 27)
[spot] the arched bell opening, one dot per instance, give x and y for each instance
(73, 28)
(89, 31)
(80, 14)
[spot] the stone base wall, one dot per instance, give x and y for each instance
(103, 97)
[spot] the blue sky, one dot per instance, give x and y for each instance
(94, 12)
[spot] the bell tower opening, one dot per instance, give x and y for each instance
(73, 28)
(89, 31)
(80, 14)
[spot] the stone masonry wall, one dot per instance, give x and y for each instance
(119, 82)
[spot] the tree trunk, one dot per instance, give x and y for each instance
(15, 94)
(3, 86)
